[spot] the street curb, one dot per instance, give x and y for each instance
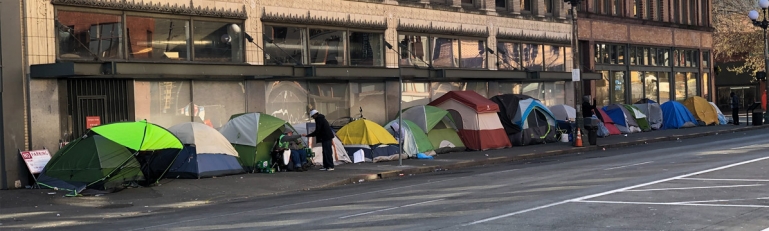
(528, 156)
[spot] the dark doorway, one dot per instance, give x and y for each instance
(457, 118)
(97, 101)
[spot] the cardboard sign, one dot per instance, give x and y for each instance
(92, 121)
(36, 160)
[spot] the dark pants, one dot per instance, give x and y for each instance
(299, 157)
(736, 115)
(328, 152)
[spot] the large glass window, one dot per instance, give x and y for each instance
(620, 54)
(331, 99)
(366, 49)
(290, 39)
(636, 86)
(417, 51)
(569, 60)
(549, 5)
(663, 57)
(532, 56)
(554, 93)
(602, 89)
(691, 84)
(509, 56)
(327, 47)
(509, 88)
(500, 3)
(706, 86)
(554, 58)
(664, 84)
(415, 94)
(480, 87)
(439, 89)
(287, 100)
(653, 57)
(369, 97)
(217, 42)
(218, 100)
(165, 103)
(706, 59)
(526, 5)
(535, 90)
(651, 90)
(473, 53)
(157, 38)
(618, 87)
(85, 35)
(680, 86)
(445, 52)
(632, 56)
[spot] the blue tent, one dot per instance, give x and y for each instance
(206, 153)
(676, 116)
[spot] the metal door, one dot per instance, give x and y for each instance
(105, 99)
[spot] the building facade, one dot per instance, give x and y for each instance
(656, 49)
(74, 64)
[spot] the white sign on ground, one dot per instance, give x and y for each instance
(36, 160)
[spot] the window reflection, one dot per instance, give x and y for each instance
(157, 38)
(509, 56)
(415, 94)
(287, 100)
(217, 41)
(618, 89)
(535, 90)
(509, 88)
(473, 53)
(85, 35)
(650, 85)
(706, 86)
(691, 84)
(370, 97)
(218, 100)
(664, 84)
(366, 49)
(164, 103)
(602, 89)
(636, 86)
(554, 58)
(480, 87)
(680, 87)
(416, 51)
(289, 39)
(441, 88)
(331, 99)
(327, 47)
(532, 56)
(554, 93)
(445, 52)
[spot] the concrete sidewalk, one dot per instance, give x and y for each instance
(173, 194)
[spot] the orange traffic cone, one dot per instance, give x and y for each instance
(578, 139)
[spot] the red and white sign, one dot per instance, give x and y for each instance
(36, 160)
(92, 121)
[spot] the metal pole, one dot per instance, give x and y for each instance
(400, 117)
(576, 58)
(766, 68)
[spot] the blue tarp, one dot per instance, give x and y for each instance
(191, 165)
(616, 114)
(676, 116)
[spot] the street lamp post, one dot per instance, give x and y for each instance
(578, 86)
(764, 24)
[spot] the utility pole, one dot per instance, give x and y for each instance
(576, 69)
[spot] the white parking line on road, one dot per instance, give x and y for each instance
(382, 210)
(629, 165)
(705, 187)
(615, 191)
(710, 201)
(746, 180)
(671, 203)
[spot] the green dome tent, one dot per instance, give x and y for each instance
(253, 135)
(415, 139)
(438, 125)
(110, 156)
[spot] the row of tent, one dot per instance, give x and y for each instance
(116, 155)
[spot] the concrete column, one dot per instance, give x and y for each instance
(455, 3)
(538, 8)
(514, 6)
(13, 172)
(256, 95)
(253, 26)
(392, 93)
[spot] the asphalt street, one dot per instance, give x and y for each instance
(710, 183)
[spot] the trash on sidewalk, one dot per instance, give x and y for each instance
(423, 156)
(52, 193)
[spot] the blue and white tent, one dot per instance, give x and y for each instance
(721, 118)
(206, 153)
(677, 116)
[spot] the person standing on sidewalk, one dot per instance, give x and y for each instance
(735, 108)
(324, 135)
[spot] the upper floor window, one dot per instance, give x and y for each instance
(87, 36)
(293, 44)
(467, 1)
(686, 58)
(526, 5)
(533, 57)
(609, 54)
(549, 6)
(705, 58)
(439, 51)
(500, 3)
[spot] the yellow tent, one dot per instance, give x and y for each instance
(365, 132)
(702, 110)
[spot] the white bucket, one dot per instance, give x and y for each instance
(565, 138)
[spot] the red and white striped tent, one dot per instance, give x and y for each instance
(476, 118)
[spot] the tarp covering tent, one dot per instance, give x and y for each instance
(639, 116)
(531, 122)
(253, 135)
(375, 153)
(206, 153)
(339, 154)
(653, 112)
(622, 119)
(415, 140)
(701, 109)
(364, 132)
(721, 118)
(676, 116)
(563, 112)
(477, 119)
(608, 123)
(439, 126)
(111, 156)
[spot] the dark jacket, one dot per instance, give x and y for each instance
(323, 130)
